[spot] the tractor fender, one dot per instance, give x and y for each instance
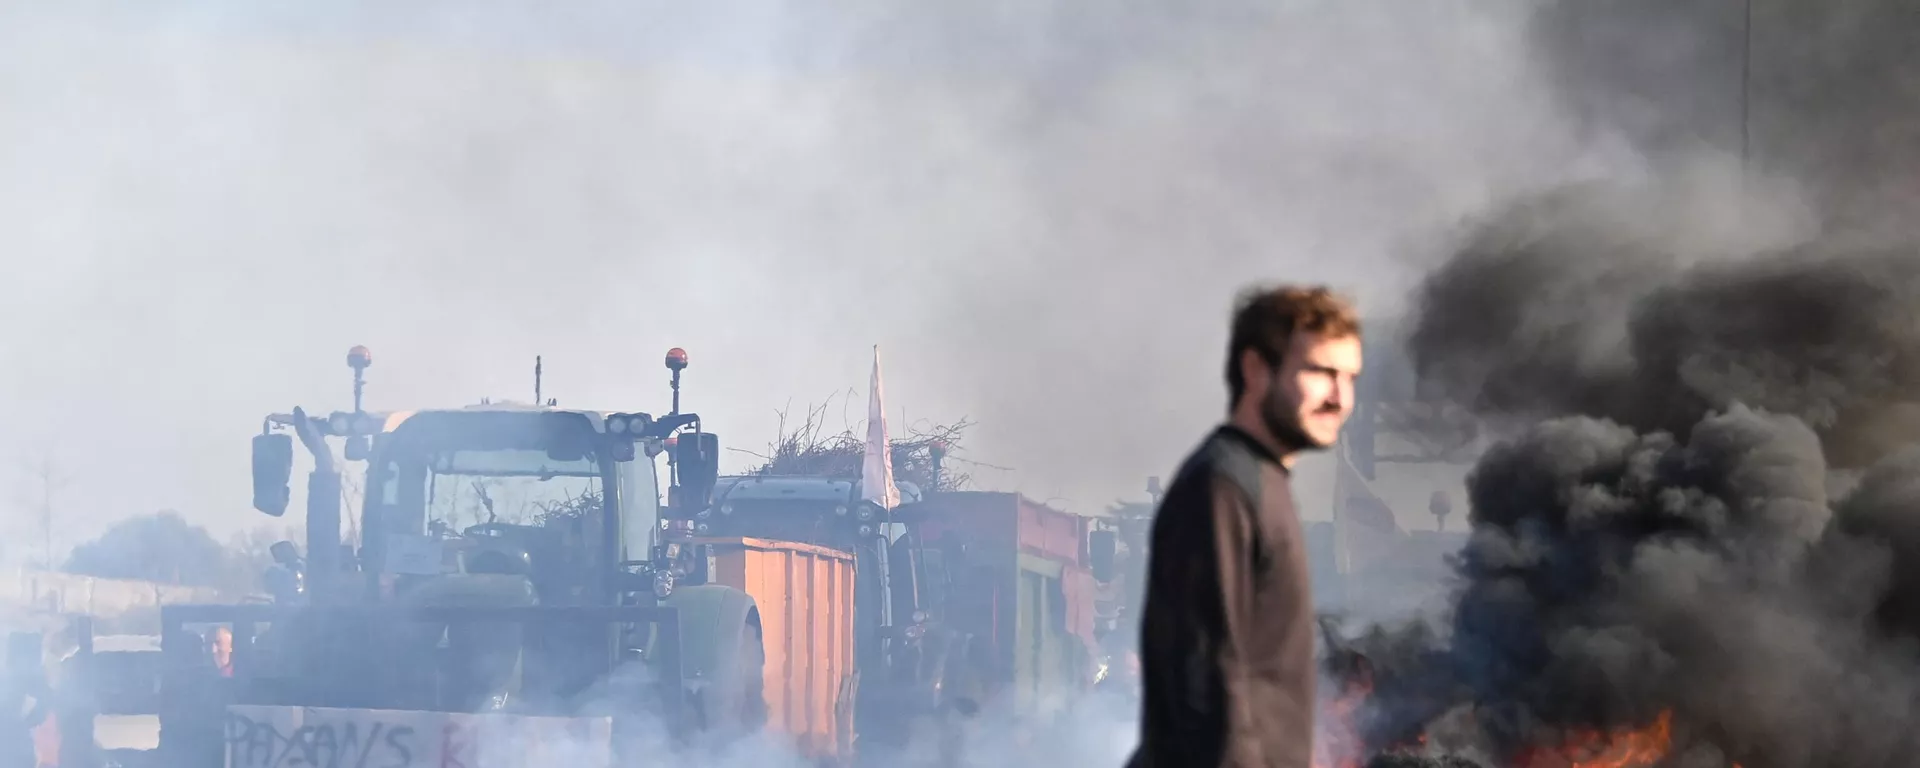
(722, 654)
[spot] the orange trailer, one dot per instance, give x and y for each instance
(805, 598)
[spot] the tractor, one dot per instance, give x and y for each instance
(570, 601)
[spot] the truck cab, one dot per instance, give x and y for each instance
(829, 512)
(1015, 576)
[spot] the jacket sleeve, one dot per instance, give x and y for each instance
(1221, 548)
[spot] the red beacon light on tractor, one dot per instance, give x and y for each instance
(359, 358)
(676, 362)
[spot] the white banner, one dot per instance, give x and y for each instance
(876, 468)
(313, 737)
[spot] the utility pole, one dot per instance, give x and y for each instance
(1746, 82)
(47, 472)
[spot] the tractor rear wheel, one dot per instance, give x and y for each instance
(752, 673)
(722, 648)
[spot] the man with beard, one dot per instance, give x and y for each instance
(1227, 631)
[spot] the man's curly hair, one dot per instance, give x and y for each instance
(1265, 318)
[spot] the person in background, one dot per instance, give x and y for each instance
(1227, 630)
(220, 647)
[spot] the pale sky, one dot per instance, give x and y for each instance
(1038, 210)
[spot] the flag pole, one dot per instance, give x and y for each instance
(876, 487)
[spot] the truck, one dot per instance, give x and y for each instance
(1016, 579)
(960, 597)
(585, 619)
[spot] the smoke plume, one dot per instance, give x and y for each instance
(1699, 515)
(210, 201)
(1817, 92)
(1570, 305)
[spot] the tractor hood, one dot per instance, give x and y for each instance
(477, 589)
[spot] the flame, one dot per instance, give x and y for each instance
(1340, 745)
(1642, 747)
(1629, 748)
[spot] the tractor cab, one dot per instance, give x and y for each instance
(825, 510)
(551, 495)
(496, 506)
(566, 499)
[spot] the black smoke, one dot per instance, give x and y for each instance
(1705, 503)
(1819, 91)
(1589, 301)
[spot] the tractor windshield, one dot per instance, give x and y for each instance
(465, 468)
(507, 485)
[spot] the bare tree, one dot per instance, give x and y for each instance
(43, 467)
(808, 449)
(164, 547)
(254, 546)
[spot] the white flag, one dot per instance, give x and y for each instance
(876, 473)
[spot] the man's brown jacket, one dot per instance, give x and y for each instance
(1227, 638)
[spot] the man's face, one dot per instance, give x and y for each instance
(1306, 399)
(222, 645)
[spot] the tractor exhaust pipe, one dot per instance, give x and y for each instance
(323, 509)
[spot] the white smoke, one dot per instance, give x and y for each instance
(1079, 729)
(1039, 210)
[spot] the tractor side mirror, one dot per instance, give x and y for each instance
(272, 470)
(358, 447)
(285, 553)
(696, 456)
(1101, 546)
